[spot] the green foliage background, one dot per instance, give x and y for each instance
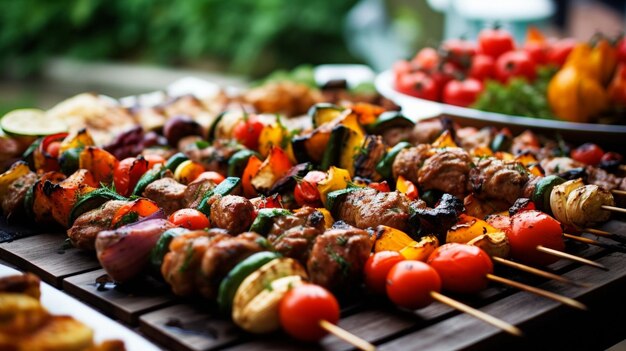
(250, 37)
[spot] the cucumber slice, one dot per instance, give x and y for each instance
(31, 122)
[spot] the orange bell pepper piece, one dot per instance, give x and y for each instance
(407, 187)
(252, 168)
(130, 212)
(99, 162)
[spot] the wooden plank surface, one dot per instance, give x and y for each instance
(190, 327)
(124, 302)
(541, 316)
(47, 256)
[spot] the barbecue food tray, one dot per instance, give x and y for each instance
(150, 308)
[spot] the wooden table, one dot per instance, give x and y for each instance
(149, 307)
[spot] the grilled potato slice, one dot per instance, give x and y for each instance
(60, 333)
(261, 315)
(495, 244)
(20, 314)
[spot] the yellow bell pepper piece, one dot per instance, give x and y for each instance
(337, 179)
(420, 250)
(444, 140)
(468, 228)
(79, 140)
(187, 171)
(390, 239)
(481, 151)
(17, 170)
(328, 218)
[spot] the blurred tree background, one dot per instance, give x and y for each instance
(248, 37)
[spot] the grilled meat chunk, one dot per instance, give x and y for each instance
(408, 162)
(221, 256)
(181, 265)
(233, 213)
(195, 192)
(13, 204)
(557, 165)
(604, 179)
(365, 162)
(367, 208)
(167, 193)
(439, 219)
(338, 256)
(293, 235)
(86, 227)
(498, 180)
(447, 170)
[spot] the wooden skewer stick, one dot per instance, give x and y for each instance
(612, 236)
(618, 192)
(570, 257)
(531, 289)
(614, 247)
(346, 336)
(614, 209)
(498, 323)
(536, 271)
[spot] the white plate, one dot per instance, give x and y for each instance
(418, 107)
(59, 303)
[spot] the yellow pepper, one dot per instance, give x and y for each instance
(188, 171)
(390, 239)
(481, 151)
(444, 140)
(337, 179)
(79, 140)
(407, 187)
(328, 218)
(275, 134)
(468, 228)
(420, 250)
(17, 170)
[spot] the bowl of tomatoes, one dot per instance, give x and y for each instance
(543, 82)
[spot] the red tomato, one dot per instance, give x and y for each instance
(426, 59)
(53, 149)
(215, 177)
(377, 267)
(127, 174)
(515, 64)
(483, 67)
(306, 193)
(459, 52)
(420, 85)
(588, 153)
(274, 201)
(617, 87)
(559, 50)
(495, 42)
(530, 229)
(537, 51)
(463, 268)
(621, 50)
(302, 309)
(380, 186)
(248, 131)
(462, 92)
(189, 218)
(442, 75)
(401, 68)
(410, 282)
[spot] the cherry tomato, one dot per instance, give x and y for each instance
(377, 267)
(621, 50)
(215, 177)
(515, 64)
(495, 42)
(274, 201)
(420, 85)
(402, 67)
(380, 186)
(426, 59)
(459, 52)
(189, 218)
(127, 174)
(588, 153)
(306, 193)
(463, 268)
(410, 282)
(248, 131)
(483, 67)
(442, 75)
(530, 229)
(53, 149)
(610, 159)
(462, 93)
(559, 50)
(500, 221)
(302, 309)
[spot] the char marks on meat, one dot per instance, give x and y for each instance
(181, 265)
(195, 192)
(12, 204)
(293, 235)
(338, 257)
(86, 227)
(224, 255)
(498, 180)
(167, 193)
(439, 219)
(408, 162)
(233, 213)
(447, 170)
(367, 208)
(365, 163)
